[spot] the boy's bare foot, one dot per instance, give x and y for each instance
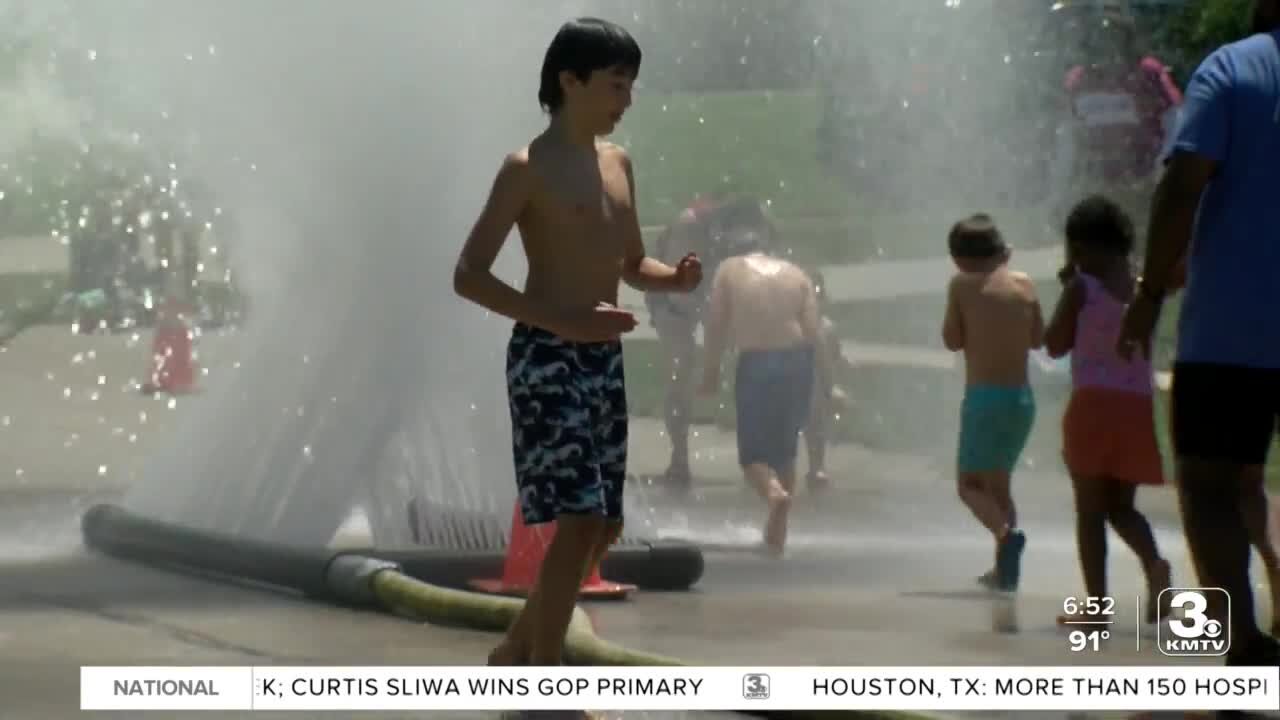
(678, 477)
(989, 580)
(775, 528)
(507, 655)
(818, 481)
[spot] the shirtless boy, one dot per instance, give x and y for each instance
(767, 308)
(572, 197)
(994, 317)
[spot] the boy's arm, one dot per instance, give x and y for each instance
(473, 276)
(715, 328)
(953, 321)
(1037, 316)
(638, 270)
(811, 324)
(1060, 336)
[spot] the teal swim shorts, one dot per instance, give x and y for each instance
(995, 423)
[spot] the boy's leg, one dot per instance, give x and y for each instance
(815, 440)
(995, 424)
(612, 531)
(551, 419)
(559, 582)
(679, 346)
(977, 465)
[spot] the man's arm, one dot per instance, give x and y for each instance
(953, 321)
(473, 276)
(1200, 146)
(638, 270)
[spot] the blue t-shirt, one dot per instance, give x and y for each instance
(1231, 114)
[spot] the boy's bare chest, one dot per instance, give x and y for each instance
(585, 212)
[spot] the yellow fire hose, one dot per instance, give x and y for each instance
(413, 598)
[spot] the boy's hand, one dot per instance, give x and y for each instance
(600, 324)
(688, 273)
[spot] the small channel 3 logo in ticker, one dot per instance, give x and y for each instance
(755, 686)
(1188, 631)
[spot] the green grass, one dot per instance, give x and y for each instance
(762, 143)
(765, 144)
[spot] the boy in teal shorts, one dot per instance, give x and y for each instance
(994, 317)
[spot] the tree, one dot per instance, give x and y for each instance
(1200, 28)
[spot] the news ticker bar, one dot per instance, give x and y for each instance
(1153, 688)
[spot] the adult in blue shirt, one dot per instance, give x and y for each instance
(1218, 195)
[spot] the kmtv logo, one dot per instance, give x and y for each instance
(1189, 631)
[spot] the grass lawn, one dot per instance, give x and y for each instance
(755, 142)
(765, 143)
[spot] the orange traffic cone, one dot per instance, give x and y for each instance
(525, 553)
(173, 369)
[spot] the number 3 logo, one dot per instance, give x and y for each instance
(1194, 622)
(756, 685)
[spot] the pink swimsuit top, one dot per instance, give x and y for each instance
(1094, 360)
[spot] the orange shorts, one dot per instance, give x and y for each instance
(1111, 434)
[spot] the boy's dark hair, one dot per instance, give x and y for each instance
(743, 212)
(1099, 223)
(581, 47)
(976, 238)
(747, 213)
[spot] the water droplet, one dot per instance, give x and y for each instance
(142, 417)
(102, 379)
(20, 472)
(102, 469)
(133, 437)
(173, 403)
(93, 55)
(66, 392)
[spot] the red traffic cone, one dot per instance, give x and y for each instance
(525, 553)
(173, 368)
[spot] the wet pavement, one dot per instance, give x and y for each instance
(880, 570)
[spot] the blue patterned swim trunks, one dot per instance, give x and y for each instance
(568, 425)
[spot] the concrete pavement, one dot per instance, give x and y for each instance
(880, 571)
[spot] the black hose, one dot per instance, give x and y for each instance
(116, 531)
